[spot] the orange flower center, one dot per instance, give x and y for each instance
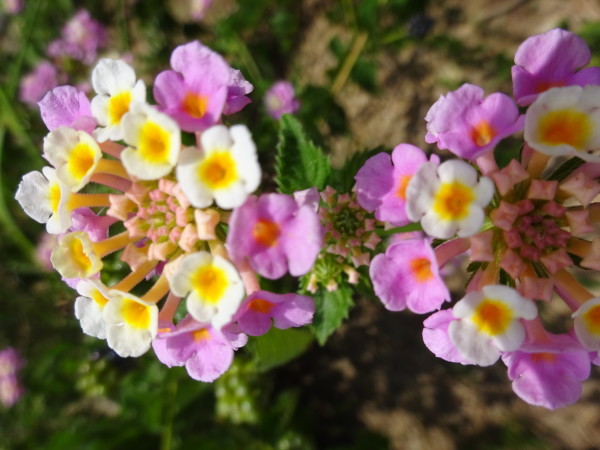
(195, 105)
(483, 133)
(421, 269)
(266, 232)
(492, 317)
(261, 306)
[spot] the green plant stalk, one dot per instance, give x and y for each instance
(123, 26)
(248, 60)
(10, 120)
(31, 13)
(6, 220)
(342, 76)
(166, 440)
(404, 229)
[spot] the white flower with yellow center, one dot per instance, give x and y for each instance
(75, 256)
(448, 199)
(89, 307)
(488, 323)
(154, 142)
(114, 82)
(132, 323)
(587, 324)
(214, 286)
(226, 169)
(566, 121)
(74, 154)
(44, 198)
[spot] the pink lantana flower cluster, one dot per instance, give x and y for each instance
(523, 221)
(186, 220)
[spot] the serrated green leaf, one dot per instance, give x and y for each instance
(300, 163)
(279, 346)
(331, 308)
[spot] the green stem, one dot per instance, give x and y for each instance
(342, 76)
(247, 60)
(123, 26)
(405, 229)
(17, 67)
(9, 118)
(6, 220)
(166, 441)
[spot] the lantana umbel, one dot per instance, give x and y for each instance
(123, 185)
(525, 222)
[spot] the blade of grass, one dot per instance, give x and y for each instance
(11, 121)
(30, 16)
(9, 226)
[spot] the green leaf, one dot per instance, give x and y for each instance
(506, 151)
(331, 308)
(566, 169)
(300, 163)
(277, 347)
(364, 73)
(367, 12)
(320, 106)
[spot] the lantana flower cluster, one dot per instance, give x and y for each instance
(186, 220)
(11, 389)
(524, 221)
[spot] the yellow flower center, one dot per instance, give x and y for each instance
(402, 185)
(421, 269)
(565, 126)
(100, 299)
(195, 105)
(153, 143)
(81, 160)
(483, 133)
(452, 201)
(79, 256)
(592, 320)
(201, 335)
(118, 105)
(492, 317)
(210, 283)
(261, 306)
(54, 197)
(135, 314)
(218, 170)
(266, 232)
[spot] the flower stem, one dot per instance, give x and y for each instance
(342, 76)
(405, 229)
